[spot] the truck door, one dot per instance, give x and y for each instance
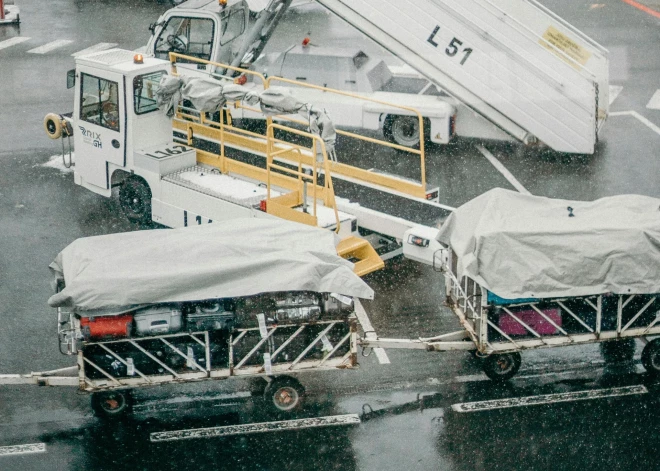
(99, 133)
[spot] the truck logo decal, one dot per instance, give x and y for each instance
(91, 137)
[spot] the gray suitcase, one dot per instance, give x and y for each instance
(158, 320)
(199, 320)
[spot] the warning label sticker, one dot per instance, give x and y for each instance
(564, 47)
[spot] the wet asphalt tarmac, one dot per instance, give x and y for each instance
(406, 405)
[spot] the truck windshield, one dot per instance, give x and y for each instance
(232, 26)
(99, 103)
(189, 36)
(144, 91)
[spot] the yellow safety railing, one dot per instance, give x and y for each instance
(278, 147)
(226, 134)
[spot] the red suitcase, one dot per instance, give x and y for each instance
(103, 327)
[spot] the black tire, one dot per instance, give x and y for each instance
(135, 200)
(651, 357)
(404, 130)
(111, 404)
(618, 351)
(502, 366)
(284, 395)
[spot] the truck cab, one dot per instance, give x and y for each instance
(116, 116)
(204, 29)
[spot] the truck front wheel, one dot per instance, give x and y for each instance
(135, 200)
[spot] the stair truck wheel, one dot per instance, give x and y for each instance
(617, 351)
(501, 366)
(404, 130)
(53, 125)
(651, 356)
(111, 404)
(284, 395)
(135, 200)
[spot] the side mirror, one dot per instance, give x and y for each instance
(71, 78)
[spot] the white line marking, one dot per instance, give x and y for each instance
(654, 102)
(370, 332)
(641, 118)
(189, 399)
(13, 41)
(614, 92)
(548, 399)
(503, 170)
(50, 46)
(23, 449)
(95, 48)
(262, 427)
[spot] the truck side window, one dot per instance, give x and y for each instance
(232, 26)
(188, 36)
(144, 92)
(99, 102)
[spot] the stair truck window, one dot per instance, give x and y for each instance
(232, 26)
(144, 92)
(189, 36)
(99, 102)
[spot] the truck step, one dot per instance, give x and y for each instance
(361, 253)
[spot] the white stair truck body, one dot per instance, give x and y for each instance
(511, 61)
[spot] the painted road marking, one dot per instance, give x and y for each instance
(503, 170)
(50, 46)
(95, 48)
(13, 41)
(23, 449)
(262, 427)
(615, 90)
(548, 399)
(641, 118)
(654, 102)
(643, 8)
(370, 332)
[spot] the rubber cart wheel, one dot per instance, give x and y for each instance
(618, 351)
(53, 125)
(501, 366)
(651, 356)
(284, 395)
(135, 200)
(111, 404)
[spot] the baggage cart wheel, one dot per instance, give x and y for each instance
(651, 356)
(618, 351)
(284, 395)
(135, 200)
(111, 404)
(501, 366)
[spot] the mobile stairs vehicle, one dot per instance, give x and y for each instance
(214, 171)
(524, 272)
(513, 69)
(165, 311)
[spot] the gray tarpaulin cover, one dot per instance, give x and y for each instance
(210, 95)
(521, 246)
(239, 258)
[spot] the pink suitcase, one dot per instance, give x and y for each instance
(510, 326)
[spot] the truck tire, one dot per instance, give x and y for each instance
(404, 130)
(502, 366)
(111, 404)
(618, 351)
(651, 357)
(284, 395)
(53, 125)
(135, 200)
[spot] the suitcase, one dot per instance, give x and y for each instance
(158, 320)
(104, 327)
(199, 321)
(510, 326)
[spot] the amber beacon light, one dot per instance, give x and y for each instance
(138, 59)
